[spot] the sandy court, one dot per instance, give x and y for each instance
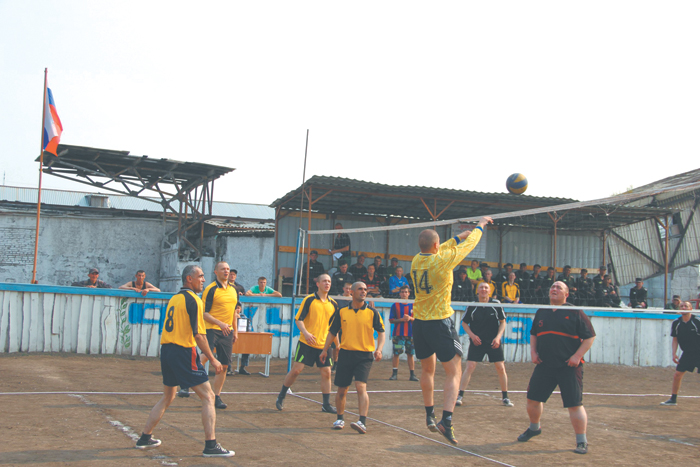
(84, 427)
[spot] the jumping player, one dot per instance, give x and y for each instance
(485, 325)
(183, 331)
(686, 333)
(559, 339)
(434, 333)
(313, 320)
(357, 352)
(401, 316)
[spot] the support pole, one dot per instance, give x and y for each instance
(666, 225)
(41, 165)
(294, 303)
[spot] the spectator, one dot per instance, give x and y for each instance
(347, 296)
(484, 267)
(608, 295)
(492, 285)
(232, 281)
(358, 269)
(378, 264)
(547, 283)
(638, 294)
(586, 289)
(397, 281)
(140, 284)
(92, 282)
(474, 273)
(462, 290)
(373, 282)
(341, 244)
(262, 290)
(675, 303)
(340, 277)
(315, 269)
(598, 280)
(390, 270)
(534, 287)
(510, 291)
(502, 277)
(570, 282)
(522, 278)
(401, 316)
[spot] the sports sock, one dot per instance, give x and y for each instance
(673, 397)
(413, 373)
(340, 416)
(144, 437)
(430, 411)
(505, 394)
(461, 393)
(534, 426)
(446, 418)
(210, 443)
(395, 370)
(326, 399)
(581, 438)
(363, 419)
(283, 392)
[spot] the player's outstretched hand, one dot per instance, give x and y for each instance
(485, 220)
(217, 366)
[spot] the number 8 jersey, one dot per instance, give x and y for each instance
(183, 319)
(432, 276)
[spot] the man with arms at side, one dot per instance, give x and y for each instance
(522, 278)
(183, 331)
(314, 268)
(485, 325)
(401, 316)
(599, 279)
(535, 286)
(140, 284)
(559, 339)
(313, 320)
(547, 282)
(570, 282)
(357, 352)
(638, 294)
(341, 277)
(488, 280)
(358, 269)
(686, 334)
(586, 290)
(93, 281)
(262, 290)
(434, 333)
(462, 289)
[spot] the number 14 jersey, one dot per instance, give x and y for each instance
(432, 276)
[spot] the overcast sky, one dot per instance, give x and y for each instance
(584, 98)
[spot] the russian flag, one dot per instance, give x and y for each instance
(52, 124)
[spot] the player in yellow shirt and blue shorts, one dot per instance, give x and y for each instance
(434, 333)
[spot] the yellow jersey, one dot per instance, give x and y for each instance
(316, 315)
(183, 319)
(433, 278)
(220, 303)
(510, 291)
(358, 327)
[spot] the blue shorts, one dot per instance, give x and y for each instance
(181, 366)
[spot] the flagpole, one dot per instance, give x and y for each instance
(41, 165)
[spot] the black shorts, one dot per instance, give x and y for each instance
(352, 363)
(437, 336)
(545, 379)
(222, 344)
(181, 366)
(688, 362)
(476, 352)
(310, 355)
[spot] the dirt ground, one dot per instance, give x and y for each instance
(79, 426)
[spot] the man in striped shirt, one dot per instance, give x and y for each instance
(401, 316)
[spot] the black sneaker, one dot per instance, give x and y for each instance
(430, 422)
(217, 451)
(151, 443)
(328, 409)
(243, 371)
(413, 378)
(229, 371)
(529, 434)
(393, 377)
(581, 448)
(447, 431)
(669, 402)
(218, 403)
(279, 403)
(183, 392)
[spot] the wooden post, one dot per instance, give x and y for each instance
(41, 165)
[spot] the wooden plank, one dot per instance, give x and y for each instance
(83, 324)
(15, 325)
(36, 330)
(59, 304)
(72, 302)
(109, 326)
(47, 307)
(154, 341)
(95, 328)
(26, 321)
(5, 321)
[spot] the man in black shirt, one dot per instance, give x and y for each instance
(462, 290)
(341, 244)
(686, 333)
(340, 277)
(570, 282)
(315, 269)
(559, 339)
(358, 269)
(522, 278)
(638, 294)
(534, 287)
(586, 292)
(485, 325)
(546, 284)
(502, 276)
(598, 280)
(607, 295)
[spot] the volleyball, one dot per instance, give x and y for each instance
(516, 184)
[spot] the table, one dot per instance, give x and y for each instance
(256, 343)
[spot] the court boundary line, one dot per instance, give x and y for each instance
(416, 434)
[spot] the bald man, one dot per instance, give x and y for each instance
(559, 339)
(434, 334)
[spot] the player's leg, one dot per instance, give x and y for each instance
(503, 381)
(363, 407)
(326, 389)
(427, 380)
(534, 411)
(453, 371)
(211, 447)
(579, 419)
(675, 387)
(571, 386)
(464, 381)
(155, 416)
(397, 349)
(343, 379)
(542, 383)
(410, 351)
(291, 377)
(340, 399)
(223, 346)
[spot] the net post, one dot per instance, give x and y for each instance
(294, 303)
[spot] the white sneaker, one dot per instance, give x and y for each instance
(459, 400)
(359, 427)
(339, 424)
(507, 402)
